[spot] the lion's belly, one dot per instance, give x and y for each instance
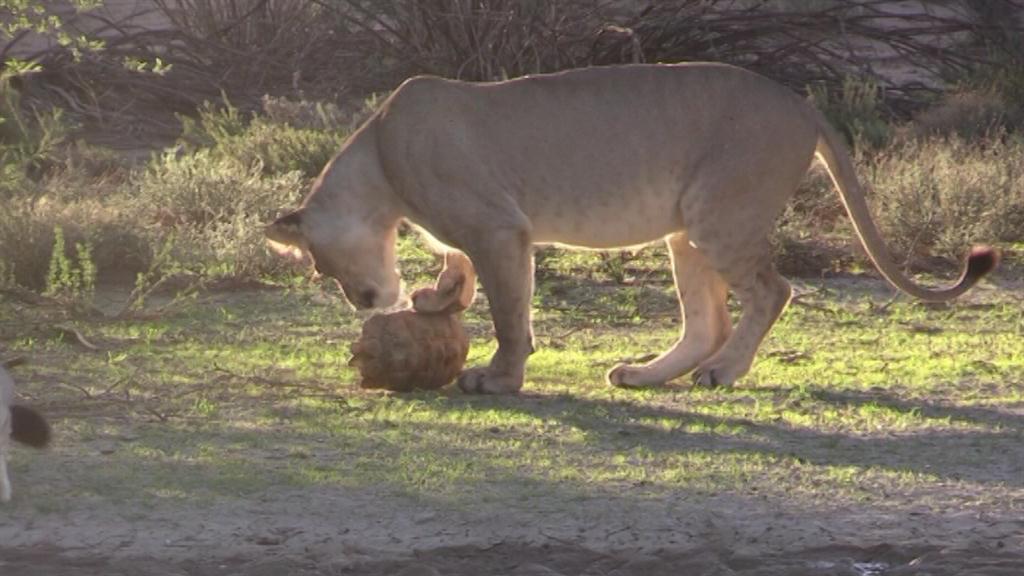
(605, 220)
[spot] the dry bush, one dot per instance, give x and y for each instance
(209, 213)
(931, 197)
(969, 114)
(823, 44)
(812, 235)
(344, 49)
(477, 40)
(143, 77)
(264, 44)
(938, 196)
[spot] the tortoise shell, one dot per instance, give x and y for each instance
(407, 350)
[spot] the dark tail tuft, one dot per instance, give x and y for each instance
(29, 427)
(981, 261)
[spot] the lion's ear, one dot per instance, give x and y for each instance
(285, 235)
(287, 230)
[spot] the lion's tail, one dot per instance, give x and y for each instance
(830, 149)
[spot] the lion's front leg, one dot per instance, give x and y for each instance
(504, 262)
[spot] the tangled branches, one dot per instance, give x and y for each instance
(336, 49)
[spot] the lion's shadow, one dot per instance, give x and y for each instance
(979, 444)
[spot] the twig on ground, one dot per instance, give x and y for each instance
(159, 415)
(85, 391)
(70, 331)
(638, 359)
(885, 307)
(14, 362)
(799, 301)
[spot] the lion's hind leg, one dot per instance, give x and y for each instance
(763, 295)
(706, 321)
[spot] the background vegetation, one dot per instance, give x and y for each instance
(222, 117)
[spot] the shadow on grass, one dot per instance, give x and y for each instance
(993, 456)
(427, 461)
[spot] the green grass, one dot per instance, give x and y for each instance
(235, 394)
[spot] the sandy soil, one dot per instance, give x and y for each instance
(330, 531)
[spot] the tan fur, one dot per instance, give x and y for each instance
(702, 155)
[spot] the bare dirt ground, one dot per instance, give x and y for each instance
(318, 532)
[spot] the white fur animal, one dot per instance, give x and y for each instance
(18, 423)
(704, 156)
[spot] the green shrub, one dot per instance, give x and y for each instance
(299, 136)
(856, 111)
(212, 125)
(931, 197)
(201, 213)
(72, 275)
(200, 189)
(306, 114)
(231, 248)
(29, 138)
(280, 148)
(198, 210)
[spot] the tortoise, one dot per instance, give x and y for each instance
(424, 347)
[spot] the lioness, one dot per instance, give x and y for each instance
(703, 155)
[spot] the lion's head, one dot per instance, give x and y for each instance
(360, 257)
(348, 229)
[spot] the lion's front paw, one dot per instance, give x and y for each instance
(486, 381)
(626, 376)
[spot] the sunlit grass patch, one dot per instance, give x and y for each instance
(232, 395)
